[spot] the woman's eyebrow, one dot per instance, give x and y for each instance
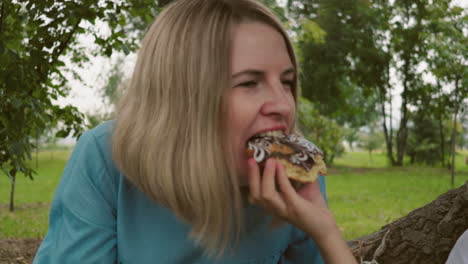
(261, 73)
(289, 71)
(248, 72)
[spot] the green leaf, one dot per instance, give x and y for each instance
(62, 133)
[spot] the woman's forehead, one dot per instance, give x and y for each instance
(257, 46)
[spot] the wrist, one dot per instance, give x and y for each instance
(328, 228)
(334, 248)
(328, 235)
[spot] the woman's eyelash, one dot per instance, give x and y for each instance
(289, 83)
(254, 83)
(248, 84)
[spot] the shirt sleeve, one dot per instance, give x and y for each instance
(459, 252)
(303, 249)
(82, 221)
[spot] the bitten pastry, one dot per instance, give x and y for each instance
(302, 160)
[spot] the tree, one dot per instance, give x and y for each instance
(448, 62)
(341, 63)
(413, 28)
(35, 39)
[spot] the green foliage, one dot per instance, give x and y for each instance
(340, 61)
(311, 31)
(425, 138)
(35, 38)
(322, 131)
(446, 50)
(278, 10)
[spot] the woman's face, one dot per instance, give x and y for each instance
(260, 98)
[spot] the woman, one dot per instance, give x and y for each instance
(167, 181)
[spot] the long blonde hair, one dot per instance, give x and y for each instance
(168, 138)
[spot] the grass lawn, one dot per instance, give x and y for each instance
(363, 193)
(32, 198)
(366, 194)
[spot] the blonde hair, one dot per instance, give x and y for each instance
(169, 137)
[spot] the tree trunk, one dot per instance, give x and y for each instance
(402, 134)
(393, 161)
(442, 141)
(388, 133)
(12, 193)
(452, 150)
(425, 235)
(459, 100)
(37, 149)
(2, 14)
(441, 125)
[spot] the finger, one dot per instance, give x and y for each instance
(270, 195)
(287, 190)
(268, 178)
(254, 180)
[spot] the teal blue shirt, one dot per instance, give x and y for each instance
(98, 217)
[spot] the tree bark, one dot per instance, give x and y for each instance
(458, 100)
(402, 134)
(2, 15)
(442, 141)
(388, 133)
(441, 124)
(452, 150)
(425, 235)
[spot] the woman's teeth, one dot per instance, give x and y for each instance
(275, 133)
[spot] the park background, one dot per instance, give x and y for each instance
(384, 94)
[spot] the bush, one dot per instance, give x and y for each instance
(322, 131)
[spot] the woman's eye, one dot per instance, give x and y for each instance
(249, 84)
(288, 83)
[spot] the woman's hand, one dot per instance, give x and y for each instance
(305, 208)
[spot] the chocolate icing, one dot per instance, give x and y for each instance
(304, 152)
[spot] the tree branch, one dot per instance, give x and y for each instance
(2, 13)
(65, 44)
(426, 235)
(61, 49)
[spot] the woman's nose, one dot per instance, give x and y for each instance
(279, 101)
